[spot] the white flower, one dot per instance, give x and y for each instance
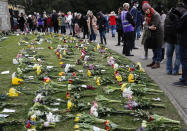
(127, 92)
(144, 124)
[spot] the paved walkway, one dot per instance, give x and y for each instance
(177, 95)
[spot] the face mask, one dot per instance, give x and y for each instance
(137, 5)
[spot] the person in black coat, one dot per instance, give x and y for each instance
(182, 33)
(119, 26)
(55, 21)
(85, 27)
(21, 21)
(101, 23)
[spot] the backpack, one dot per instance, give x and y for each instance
(171, 21)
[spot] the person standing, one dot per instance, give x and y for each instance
(101, 23)
(134, 13)
(155, 38)
(40, 24)
(85, 27)
(182, 38)
(92, 26)
(69, 20)
(55, 21)
(112, 19)
(119, 26)
(62, 22)
(128, 30)
(50, 24)
(21, 21)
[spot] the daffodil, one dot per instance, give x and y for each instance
(89, 73)
(64, 52)
(76, 127)
(38, 70)
(140, 67)
(16, 81)
(98, 46)
(119, 78)
(123, 86)
(131, 78)
(95, 49)
(61, 74)
(98, 81)
(76, 119)
(13, 92)
(69, 105)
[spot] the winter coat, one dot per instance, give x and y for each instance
(101, 22)
(153, 39)
(182, 30)
(112, 20)
(118, 23)
(94, 24)
(61, 21)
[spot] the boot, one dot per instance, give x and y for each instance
(156, 65)
(150, 65)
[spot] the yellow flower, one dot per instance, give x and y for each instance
(140, 67)
(98, 81)
(89, 73)
(28, 46)
(78, 115)
(98, 46)
(64, 52)
(13, 92)
(106, 48)
(119, 78)
(131, 78)
(85, 48)
(95, 49)
(16, 81)
(76, 126)
(76, 119)
(38, 70)
(61, 74)
(61, 63)
(69, 105)
(123, 87)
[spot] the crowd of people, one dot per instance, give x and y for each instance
(161, 30)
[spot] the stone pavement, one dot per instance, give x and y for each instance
(177, 95)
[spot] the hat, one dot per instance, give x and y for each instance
(146, 6)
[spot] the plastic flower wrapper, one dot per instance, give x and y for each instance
(112, 126)
(86, 118)
(93, 110)
(87, 127)
(139, 67)
(110, 89)
(110, 61)
(127, 92)
(116, 66)
(101, 98)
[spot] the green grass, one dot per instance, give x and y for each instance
(9, 51)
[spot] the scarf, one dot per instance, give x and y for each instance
(149, 16)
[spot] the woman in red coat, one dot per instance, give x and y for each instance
(112, 19)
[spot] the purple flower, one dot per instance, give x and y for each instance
(91, 67)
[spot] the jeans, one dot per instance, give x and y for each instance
(102, 36)
(170, 48)
(92, 35)
(120, 35)
(183, 54)
(157, 55)
(63, 29)
(138, 30)
(113, 30)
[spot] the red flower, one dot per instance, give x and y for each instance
(70, 81)
(151, 118)
(131, 69)
(74, 74)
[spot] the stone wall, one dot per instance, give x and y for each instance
(4, 16)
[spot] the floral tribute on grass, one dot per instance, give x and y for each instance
(84, 85)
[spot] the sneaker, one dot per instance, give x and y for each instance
(162, 61)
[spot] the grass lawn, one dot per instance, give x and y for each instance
(9, 49)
